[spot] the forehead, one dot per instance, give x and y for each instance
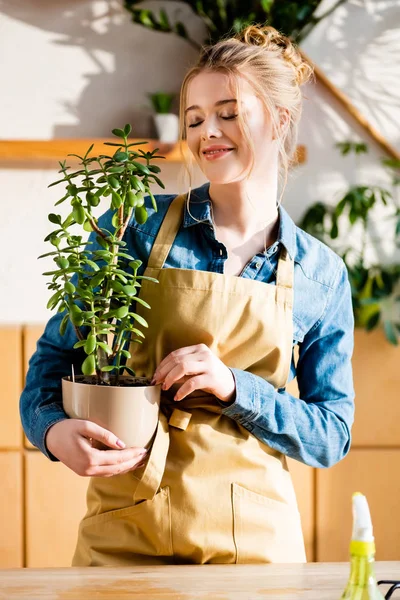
(207, 88)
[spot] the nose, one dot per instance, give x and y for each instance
(209, 129)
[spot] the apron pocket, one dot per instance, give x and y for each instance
(265, 530)
(144, 528)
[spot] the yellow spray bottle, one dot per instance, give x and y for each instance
(362, 583)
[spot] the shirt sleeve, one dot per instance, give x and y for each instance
(315, 428)
(41, 400)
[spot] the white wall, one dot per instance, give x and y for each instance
(79, 68)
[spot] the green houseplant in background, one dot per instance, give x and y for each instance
(294, 19)
(96, 285)
(166, 122)
(375, 287)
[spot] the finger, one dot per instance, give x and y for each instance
(103, 458)
(186, 367)
(92, 430)
(120, 469)
(177, 360)
(179, 352)
(199, 382)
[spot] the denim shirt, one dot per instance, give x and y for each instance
(314, 428)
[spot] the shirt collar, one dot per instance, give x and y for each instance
(200, 210)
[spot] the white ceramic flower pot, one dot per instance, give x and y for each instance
(167, 126)
(130, 413)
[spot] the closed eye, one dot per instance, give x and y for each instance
(225, 118)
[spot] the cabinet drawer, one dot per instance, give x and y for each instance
(55, 504)
(11, 388)
(11, 507)
(375, 474)
(377, 385)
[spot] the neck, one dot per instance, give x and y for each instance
(244, 206)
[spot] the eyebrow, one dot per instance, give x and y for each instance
(219, 103)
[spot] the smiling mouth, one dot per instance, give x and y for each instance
(217, 152)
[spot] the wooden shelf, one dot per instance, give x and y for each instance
(48, 150)
(39, 151)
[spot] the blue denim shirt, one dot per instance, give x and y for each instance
(314, 429)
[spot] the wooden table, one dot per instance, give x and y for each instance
(313, 581)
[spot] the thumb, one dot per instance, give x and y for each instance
(98, 433)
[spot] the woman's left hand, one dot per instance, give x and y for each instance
(199, 369)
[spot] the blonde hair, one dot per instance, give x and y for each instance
(275, 69)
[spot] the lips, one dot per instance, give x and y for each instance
(215, 149)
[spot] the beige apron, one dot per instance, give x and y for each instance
(210, 492)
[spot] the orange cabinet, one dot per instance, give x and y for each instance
(55, 504)
(11, 354)
(304, 484)
(375, 474)
(11, 510)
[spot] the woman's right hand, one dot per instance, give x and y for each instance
(70, 441)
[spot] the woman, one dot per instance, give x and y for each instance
(240, 286)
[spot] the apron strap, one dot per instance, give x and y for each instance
(167, 233)
(285, 274)
(150, 481)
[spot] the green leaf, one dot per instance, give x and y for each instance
(142, 302)
(62, 262)
(160, 183)
(137, 331)
(90, 344)
(54, 300)
(115, 220)
(122, 312)
(79, 344)
(108, 368)
(130, 371)
(140, 167)
(54, 218)
(373, 321)
(87, 226)
(63, 324)
(121, 156)
(390, 332)
(139, 319)
(116, 200)
(119, 133)
(78, 213)
(97, 279)
(47, 254)
(92, 264)
(129, 290)
(69, 287)
(105, 347)
(116, 286)
(127, 129)
(102, 242)
(89, 365)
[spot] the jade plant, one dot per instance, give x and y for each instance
(375, 287)
(98, 287)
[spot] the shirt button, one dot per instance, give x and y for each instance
(258, 264)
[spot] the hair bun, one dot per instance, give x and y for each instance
(266, 36)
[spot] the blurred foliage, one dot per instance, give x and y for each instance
(222, 17)
(375, 288)
(161, 102)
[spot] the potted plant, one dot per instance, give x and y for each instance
(294, 19)
(97, 288)
(375, 287)
(166, 122)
